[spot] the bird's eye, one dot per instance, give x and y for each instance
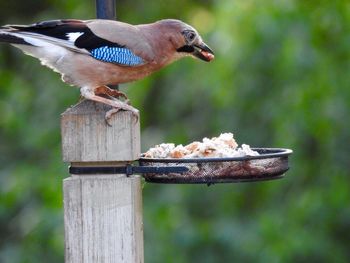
(189, 35)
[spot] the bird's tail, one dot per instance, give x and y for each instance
(6, 36)
(16, 36)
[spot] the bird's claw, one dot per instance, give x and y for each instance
(110, 113)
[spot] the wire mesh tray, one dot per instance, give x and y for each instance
(272, 163)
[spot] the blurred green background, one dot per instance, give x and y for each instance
(280, 79)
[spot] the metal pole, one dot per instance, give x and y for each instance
(105, 9)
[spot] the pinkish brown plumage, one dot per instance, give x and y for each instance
(94, 53)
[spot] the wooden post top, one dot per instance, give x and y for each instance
(87, 138)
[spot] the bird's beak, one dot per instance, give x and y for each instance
(203, 52)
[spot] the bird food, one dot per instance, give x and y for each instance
(215, 160)
(223, 146)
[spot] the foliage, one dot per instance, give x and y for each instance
(280, 79)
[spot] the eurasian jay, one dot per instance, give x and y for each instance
(92, 54)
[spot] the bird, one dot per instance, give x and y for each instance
(93, 54)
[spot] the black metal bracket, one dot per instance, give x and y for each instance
(129, 169)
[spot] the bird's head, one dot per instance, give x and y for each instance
(186, 40)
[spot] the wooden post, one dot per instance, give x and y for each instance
(102, 213)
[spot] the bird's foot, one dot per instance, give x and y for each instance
(117, 105)
(123, 106)
(104, 90)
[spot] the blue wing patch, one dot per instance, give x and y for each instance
(118, 55)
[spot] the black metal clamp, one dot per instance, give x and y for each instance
(129, 169)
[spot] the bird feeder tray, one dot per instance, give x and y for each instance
(271, 163)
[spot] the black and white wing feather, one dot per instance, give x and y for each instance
(73, 35)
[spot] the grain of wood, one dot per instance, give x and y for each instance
(87, 138)
(103, 219)
(102, 213)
